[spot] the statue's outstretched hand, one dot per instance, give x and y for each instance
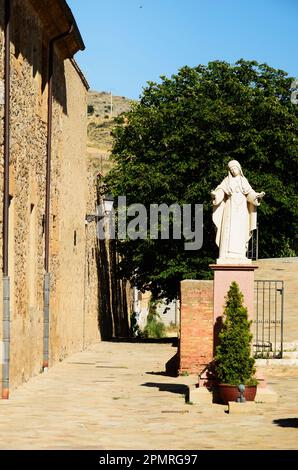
(259, 196)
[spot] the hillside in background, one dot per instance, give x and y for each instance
(102, 110)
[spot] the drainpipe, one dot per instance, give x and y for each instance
(6, 287)
(48, 198)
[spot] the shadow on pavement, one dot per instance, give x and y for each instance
(286, 422)
(173, 388)
(163, 373)
(172, 339)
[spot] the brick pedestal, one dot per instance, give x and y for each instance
(196, 326)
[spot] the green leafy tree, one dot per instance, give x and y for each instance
(233, 361)
(174, 145)
(154, 327)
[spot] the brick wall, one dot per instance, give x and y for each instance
(196, 325)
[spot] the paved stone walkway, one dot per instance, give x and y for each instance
(112, 396)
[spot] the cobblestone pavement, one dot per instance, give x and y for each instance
(114, 396)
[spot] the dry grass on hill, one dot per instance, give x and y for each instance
(100, 124)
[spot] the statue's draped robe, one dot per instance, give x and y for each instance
(234, 214)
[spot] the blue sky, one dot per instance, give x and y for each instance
(131, 41)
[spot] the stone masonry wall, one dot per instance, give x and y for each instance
(91, 268)
(1, 158)
(69, 328)
(72, 326)
(196, 326)
(27, 192)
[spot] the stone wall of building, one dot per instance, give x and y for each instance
(1, 160)
(28, 131)
(72, 325)
(92, 288)
(73, 269)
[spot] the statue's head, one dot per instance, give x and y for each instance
(235, 168)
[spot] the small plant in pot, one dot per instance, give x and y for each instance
(233, 362)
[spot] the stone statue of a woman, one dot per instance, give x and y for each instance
(234, 214)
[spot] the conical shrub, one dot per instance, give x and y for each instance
(233, 360)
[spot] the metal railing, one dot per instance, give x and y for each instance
(268, 319)
(253, 245)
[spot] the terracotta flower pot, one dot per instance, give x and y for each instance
(231, 393)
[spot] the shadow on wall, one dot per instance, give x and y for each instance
(105, 317)
(113, 311)
(28, 41)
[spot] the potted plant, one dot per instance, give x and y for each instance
(233, 362)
